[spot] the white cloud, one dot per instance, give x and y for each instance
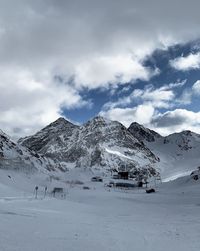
(148, 113)
(163, 94)
(185, 98)
(176, 84)
(157, 97)
(190, 62)
(164, 123)
(189, 93)
(142, 114)
(109, 70)
(29, 103)
(196, 88)
(176, 121)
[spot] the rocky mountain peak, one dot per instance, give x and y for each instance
(60, 120)
(142, 133)
(97, 121)
(54, 135)
(60, 124)
(99, 142)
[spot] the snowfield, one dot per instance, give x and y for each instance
(98, 219)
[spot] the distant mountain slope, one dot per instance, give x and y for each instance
(179, 153)
(16, 157)
(99, 143)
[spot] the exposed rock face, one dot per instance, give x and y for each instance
(51, 138)
(142, 133)
(98, 143)
(16, 157)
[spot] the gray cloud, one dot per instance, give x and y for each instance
(94, 41)
(168, 119)
(176, 121)
(49, 31)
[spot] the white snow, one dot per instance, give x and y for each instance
(118, 153)
(179, 156)
(97, 219)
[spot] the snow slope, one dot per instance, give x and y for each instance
(101, 219)
(179, 154)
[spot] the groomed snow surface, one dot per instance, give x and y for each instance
(100, 219)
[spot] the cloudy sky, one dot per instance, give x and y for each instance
(127, 60)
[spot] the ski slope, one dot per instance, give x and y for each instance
(100, 218)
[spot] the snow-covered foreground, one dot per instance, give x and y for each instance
(101, 219)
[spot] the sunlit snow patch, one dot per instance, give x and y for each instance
(176, 176)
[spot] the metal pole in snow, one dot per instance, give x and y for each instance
(45, 191)
(36, 189)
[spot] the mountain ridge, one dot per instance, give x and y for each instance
(104, 144)
(97, 143)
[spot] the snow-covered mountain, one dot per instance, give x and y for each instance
(53, 140)
(179, 153)
(99, 143)
(14, 156)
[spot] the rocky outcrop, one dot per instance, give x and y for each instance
(142, 133)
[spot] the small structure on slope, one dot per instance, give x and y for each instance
(58, 191)
(123, 175)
